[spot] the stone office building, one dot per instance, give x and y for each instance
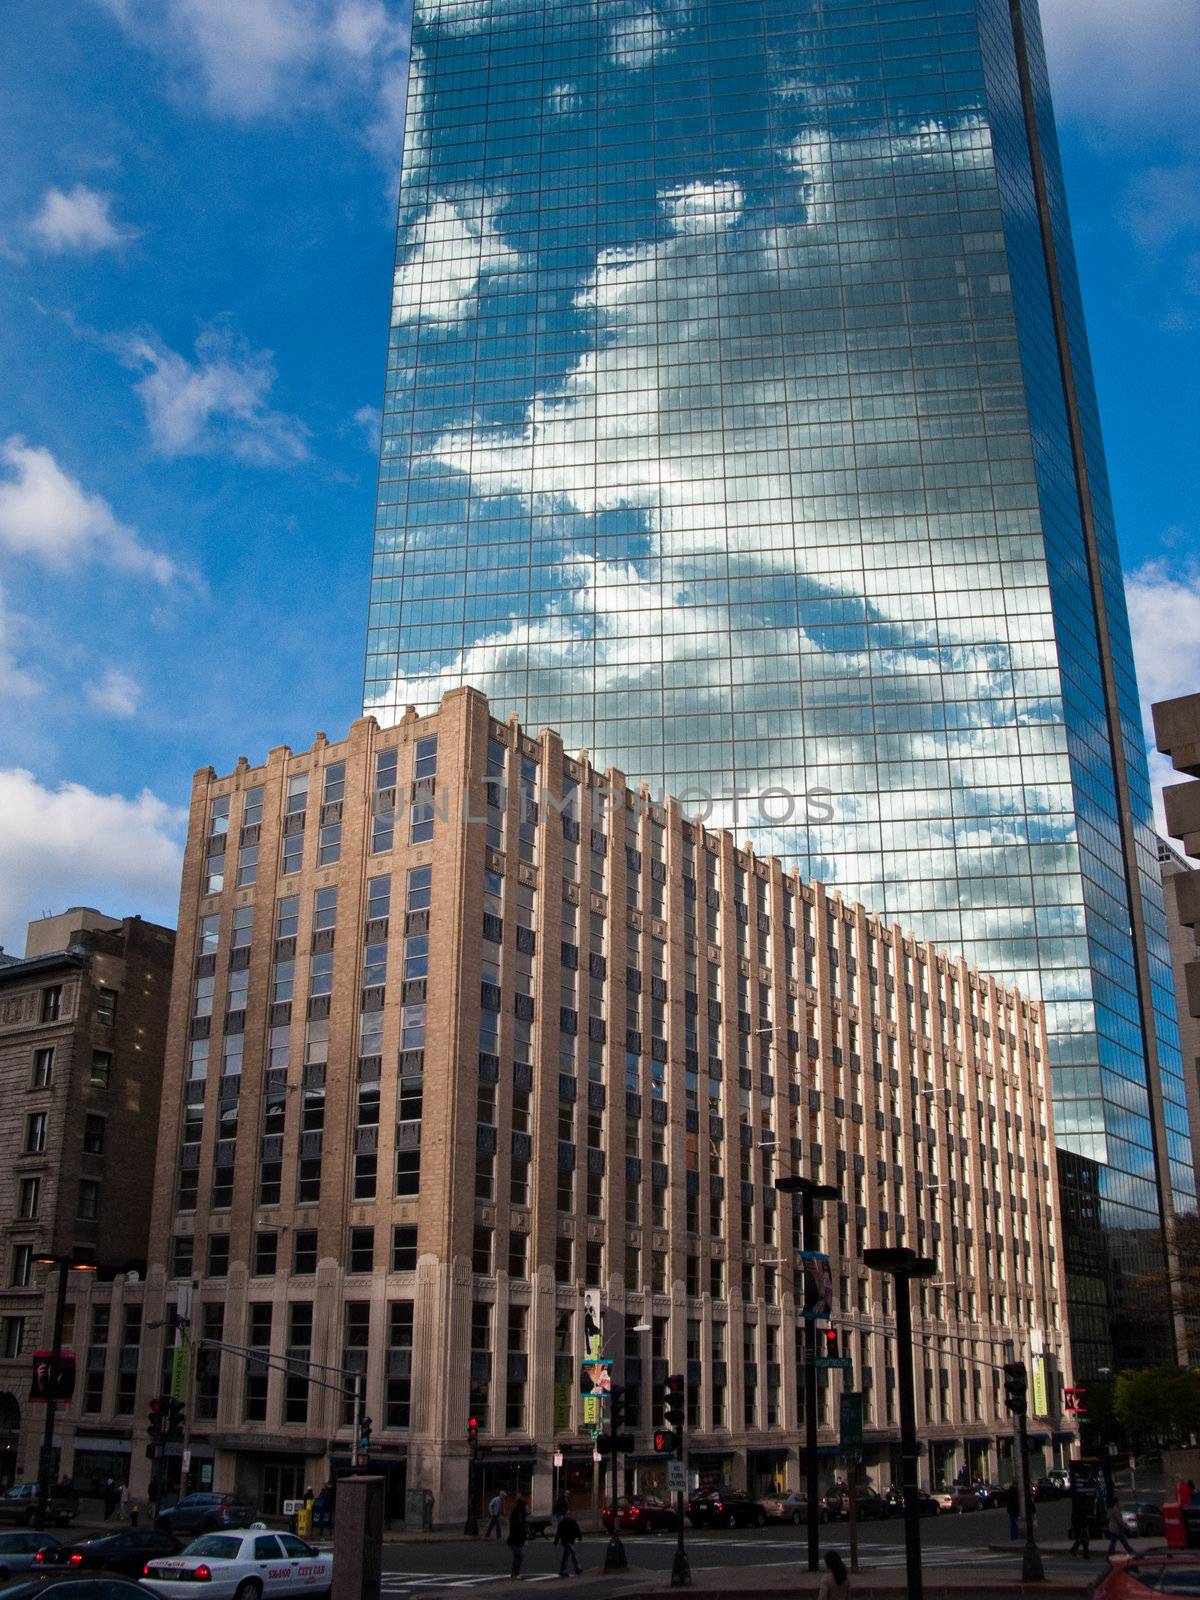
(1177, 735)
(83, 1020)
(463, 1031)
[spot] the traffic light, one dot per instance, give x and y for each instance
(365, 1429)
(157, 1421)
(674, 1413)
(473, 1436)
(616, 1406)
(1016, 1387)
(206, 1366)
(664, 1442)
(831, 1342)
(174, 1417)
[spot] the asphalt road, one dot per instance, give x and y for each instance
(412, 1569)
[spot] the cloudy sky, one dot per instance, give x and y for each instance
(195, 271)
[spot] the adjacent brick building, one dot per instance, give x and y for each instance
(463, 1030)
(83, 1023)
(1177, 735)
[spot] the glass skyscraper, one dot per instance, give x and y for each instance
(740, 425)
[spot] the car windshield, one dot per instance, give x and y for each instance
(1181, 1579)
(221, 1545)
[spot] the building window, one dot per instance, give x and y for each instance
(408, 1172)
(93, 1134)
(218, 1255)
(362, 1249)
(481, 1251)
(208, 1360)
(404, 1249)
(308, 1181)
(35, 1133)
(14, 1337)
(127, 1372)
(52, 1003)
(366, 1171)
(27, 1201)
(304, 1252)
(43, 1068)
(299, 1347)
(100, 1071)
(266, 1254)
(182, 1255)
(399, 1385)
(354, 1351)
(21, 1275)
(106, 1007)
(424, 775)
(93, 1380)
(247, 867)
(88, 1209)
(254, 1399)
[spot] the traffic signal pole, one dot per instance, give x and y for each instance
(1016, 1393)
(615, 1559)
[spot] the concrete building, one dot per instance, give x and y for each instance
(83, 1022)
(1177, 735)
(464, 1031)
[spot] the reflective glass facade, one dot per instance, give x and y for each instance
(739, 425)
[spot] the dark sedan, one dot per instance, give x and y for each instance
(644, 1513)
(1142, 1518)
(87, 1586)
(125, 1553)
(1048, 1489)
(19, 1550)
(870, 1504)
(206, 1513)
(726, 1508)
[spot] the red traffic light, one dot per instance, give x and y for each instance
(831, 1340)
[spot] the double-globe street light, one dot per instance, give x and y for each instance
(64, 1264)
(810, 1192)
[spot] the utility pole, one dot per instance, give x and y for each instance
(809, 1193)
(615, 1559)
(674, 1419)
(1016, 1395)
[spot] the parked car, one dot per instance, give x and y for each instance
(125, 1553)
(957, 1500)
(206, 1513)
(68, 1586)
(1142, 1517)
(19, 1504)
(1049, 1488)
(726, 1508)
(17, 1551)
(990, 1495)
(242, 1564)
(1170, 1572)
(791, 1507)
(870, 1504)
(643, 1513)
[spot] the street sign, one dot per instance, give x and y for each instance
(851, 1423)
(290, 1507)
(676, 1477)
(834, 1364)
(558, 1458)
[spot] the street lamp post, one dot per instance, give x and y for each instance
(64, 1265)
(904, 1264)
(810, 1192)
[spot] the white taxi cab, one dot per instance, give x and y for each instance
(241, 1564)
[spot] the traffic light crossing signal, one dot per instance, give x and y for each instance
(670, 1440)
(1016, 1387)
(831, 1342)
(157, 1421)
(365, 1429)
(174, 1417)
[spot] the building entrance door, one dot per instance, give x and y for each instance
(280, 1483)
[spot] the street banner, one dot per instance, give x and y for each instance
(818, 1285)
(595, 1379)
(591, 1324)
(562, 1407)
(64, 1376)
(1041, 1389)
(591, 1411)
(179, 1371)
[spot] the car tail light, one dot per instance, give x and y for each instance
(202, 1573)
(75, 1559)
(146, 1571)
(39, 1558)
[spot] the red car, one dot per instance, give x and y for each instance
(1174, 1572)
(643, 1514)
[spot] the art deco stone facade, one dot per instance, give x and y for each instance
(462, 1030)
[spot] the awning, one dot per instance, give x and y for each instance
(1039, 1438)
(1064, 1438)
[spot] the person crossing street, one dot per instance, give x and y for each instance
(568, 1534)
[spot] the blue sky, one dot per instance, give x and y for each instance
(196, 229)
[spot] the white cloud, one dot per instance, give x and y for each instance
(1164, 619)
(1114, 63)
(116, 693)
(71, 846)
(216, 403)
(450, 248)
(1161, 204)
(268, 58)
(46, 516)
(78, 220)
(15, 682)
(370, 420)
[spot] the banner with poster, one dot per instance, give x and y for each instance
(818, 1285)
(595, 1379)
(591, 1324)
(40, 1387)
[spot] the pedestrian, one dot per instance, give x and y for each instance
(125, 1501)
(568, 1534)
(1083, 1509)
(495, 1511)
(1116, 1532)
(835, 1583)
(112, 1498)
(135, 1512)
(518, 1532)
(1012, 1504)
